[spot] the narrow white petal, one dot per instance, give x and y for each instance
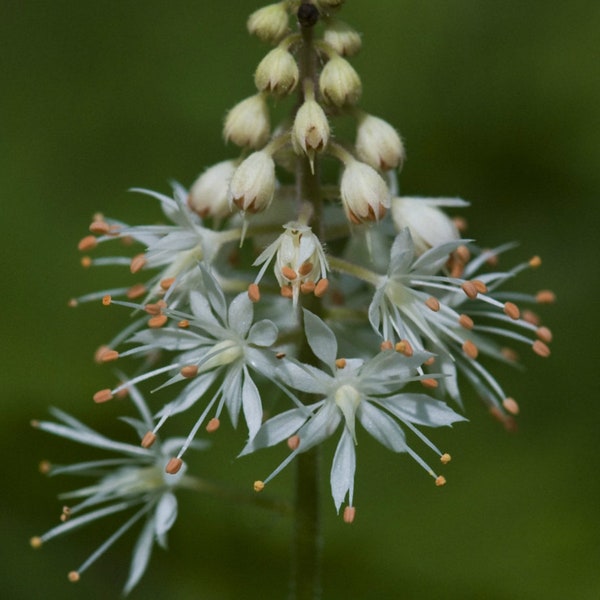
(320, 338)
(343, 468)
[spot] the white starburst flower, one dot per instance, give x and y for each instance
(134, 481)
(214, 344)
(352, 390)
(300, 263)
(423, 307)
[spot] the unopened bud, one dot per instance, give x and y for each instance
(269, 23)
(209, 194)
(342, 38)
(365, 195)
(277, 73)
(311, 129)
(247, 123)
(428, 225)
(339, 82)
(253, 183)
(378, 144)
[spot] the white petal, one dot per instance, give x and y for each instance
(141, 556)
(264, 333)
(166, 513)
(251, 404)
(241, 314)
(420, 409)
(382, 427)
(342, 469)
(320, 339)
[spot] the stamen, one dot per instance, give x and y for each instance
(440, 480)
(545, 297)
(153, 308)
(535, 262)
(166, 283)
(259, 486)
(189, 371)
(173, 466)
(512, 310)
(544, 334)
(445, 458)
(404, 347)
(463, 254)
(99, 227)
(530, 317)
(45, 467)
(511, 406)
(308, 287)
(429, 361)
(86, 262)
(289, 273)
(293, 442)
(135, 291)
(137, 263)
(286, 291)
(72, 303)
(100, 352)
(460, 223)
(429, 383)
(66, 513)
(349, 514)
(470, 349)
(213, 425)
(36, 542)
(157, 321)
(74, 576)
(183, 324)
(89, 242)
(432, 303)
(321, 288)
(103, 396)
(253, 292)
(468, 287)
(305, 269)
(466, 322)
(509, 354)
(541, 349)
(480, 286)
(148, 439)
(106, 300)
(386, 345)
(340, 363)
(109, 355)
(280, 355)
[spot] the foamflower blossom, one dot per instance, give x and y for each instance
(351, 390)
(213, 344)
(133, 481)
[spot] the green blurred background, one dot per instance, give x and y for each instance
(498, 102)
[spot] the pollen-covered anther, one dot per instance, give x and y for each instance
(148, 439)
(511, 406)
(308, 287)
(280, 355)
(74, 576)
(157, 321)
(109, 355)
(466, 322)
(100, 352)
(429, 383)
(89, 242)
(386, 345)
(135, 291)
(293, 442)
(433, 304)
(429, 361)
(541, 349)
(305, 269)
(106, 300)
(509, 354)
(183, 324)
(469, 288)
(165, 284)
(253, 292)
(152, 308)
(512, 310)
(445, 458)
(349, 514)
(321, 288)
(535, 262)
(259, 486)
(480, 286)
(189, 371)
(340, 363)
(440, 480)
(530, 317)
(289, 273)
(66, 514)
(213, 425)
(36, 542)
(460, 223)
(137, 263)
(470, 349)
(286, 291)
(173, 466)
(99, 227)
(404, 347)
(463, 254)
(544, 334)
(545, 297)
(45, 467)
(85, 262)
(103, 396)
(72, 303)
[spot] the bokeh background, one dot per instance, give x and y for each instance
(498, 102)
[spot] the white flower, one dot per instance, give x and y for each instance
(352, 390)
(135, 481)
(300, 263)
(457, 318)
(214, 344)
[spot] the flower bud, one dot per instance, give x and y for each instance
(253, 183)
(209, 194)
(277, 72)
(269, 23)
(247, 123)
(365, 195)
(378, 143)
(310, 133)
(428, 225)
(339, 82)
(342, 38)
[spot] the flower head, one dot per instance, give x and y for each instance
(135, 482)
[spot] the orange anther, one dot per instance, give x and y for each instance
(386, 345)
(535, 262)
(509, 354)
(109, 355)
(541, 349)
(152, 309)
(440, 480)
(511, 406)
(308, 287)
(103, 396)
(135, 291)
(106, 300)
(259, 486)
(99, 227)
(305, 269)
(137, 263)
(460, 223)
(86, 262)
(432, 303)
(468, 287)
(429, 383)
(530, 317)
(340, 363)
(173, 466)
(89, 242)
(463, 254)
(99, 353)
(213, 425)
(280, 355)
(72, 303)
(36, 541)
(429, 361)
(512, 310)
(286, 291)
(445, 458)
(544, 334)
(545, 297)
(189, 371)
(293, 442)
(470, 349)
(165, 284)
(465, 321)
(157, 321)
(148, 439)
(289, 273)
(479, 286)
(253, 292)
(183, 324)
(321, 288)
(349, 514)
(73, 576)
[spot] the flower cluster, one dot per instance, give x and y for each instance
(335, 302)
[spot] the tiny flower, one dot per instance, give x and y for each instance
(342, 38)
(253, 183)
(135, 482)
(365, 196)
(428, 225)
(269, 23)
(277, 73)
(378, 143)
(300, 262)
(247, 123)
(209, 194)
(339, 82)
(352, 390)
